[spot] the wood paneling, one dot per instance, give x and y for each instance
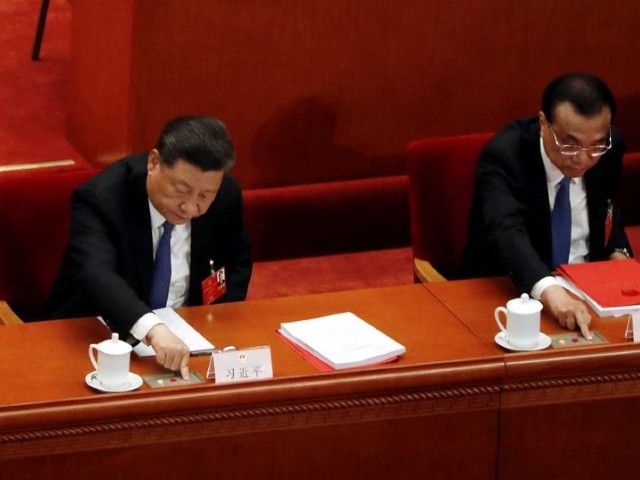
(314, 90)
(455, 405)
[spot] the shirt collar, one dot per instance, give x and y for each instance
(156, 217)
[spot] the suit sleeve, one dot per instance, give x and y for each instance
(96, 255)
(501, 194)
(239, 264)
(618, 238)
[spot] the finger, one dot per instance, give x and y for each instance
(584, 328)
(167, 363)
(584, 323)
(175, 363)
(161, 356)
(570, 320)
(184, 368)
(562, 321)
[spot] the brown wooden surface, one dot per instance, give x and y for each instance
(398, 420)
(565, 413)
(455, 406)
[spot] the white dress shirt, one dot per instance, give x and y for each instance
(579, 218)
(180, 259)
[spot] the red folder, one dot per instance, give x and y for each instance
(612, 283)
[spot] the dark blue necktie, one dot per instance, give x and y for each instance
(162, 269)
(561, 225)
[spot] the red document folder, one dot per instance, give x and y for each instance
(612, 283)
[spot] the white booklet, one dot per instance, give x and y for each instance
(198, 345)
(342, 340)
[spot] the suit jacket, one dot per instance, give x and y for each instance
(108, 263)
(510, 220)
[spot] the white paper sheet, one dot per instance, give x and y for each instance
(342, 340)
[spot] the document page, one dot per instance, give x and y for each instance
(197, 343)
(342, 340)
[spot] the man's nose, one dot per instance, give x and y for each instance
(583, 158)
(190, 207)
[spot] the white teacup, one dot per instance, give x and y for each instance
(523, 321)
(112, 364)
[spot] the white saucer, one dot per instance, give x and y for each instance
(543, 342)
(133, 382)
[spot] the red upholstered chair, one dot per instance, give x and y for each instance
(328, 236)
(627, 197)
(327, 218)
(441, 178)
(35, 218)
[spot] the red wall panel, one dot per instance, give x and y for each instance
(314, 90)
(100, 93)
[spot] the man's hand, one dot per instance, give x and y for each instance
(567, 310)
(618, 256)
(171, 352)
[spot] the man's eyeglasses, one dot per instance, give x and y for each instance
(574, 149)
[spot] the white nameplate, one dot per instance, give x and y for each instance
(230, 365)
(633, 326)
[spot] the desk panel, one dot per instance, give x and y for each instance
(565, 413)
(435, 410)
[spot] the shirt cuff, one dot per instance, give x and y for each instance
(541, 285)
(144, 324)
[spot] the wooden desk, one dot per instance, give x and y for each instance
(565, 413)
(455, 406)
(432, 414)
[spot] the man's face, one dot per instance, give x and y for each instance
(571, 128)
(181, 192)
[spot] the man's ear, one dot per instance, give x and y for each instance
(543, 122)
(153, 160)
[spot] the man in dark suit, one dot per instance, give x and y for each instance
(520, 171)
(118, 219)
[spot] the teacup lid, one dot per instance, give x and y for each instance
(524, 304)
(114, 346)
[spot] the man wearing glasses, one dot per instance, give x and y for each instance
(544, 195)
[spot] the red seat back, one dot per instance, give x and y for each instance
(627, 196)
(35, 218)
(441, 181)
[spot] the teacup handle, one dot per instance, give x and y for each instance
(91, 356)
(496, 315)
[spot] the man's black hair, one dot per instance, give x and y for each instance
(199, 140)
(588, 94)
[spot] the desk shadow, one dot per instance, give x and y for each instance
(297, 145)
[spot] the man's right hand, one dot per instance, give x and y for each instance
(567, 310)
(171, 352)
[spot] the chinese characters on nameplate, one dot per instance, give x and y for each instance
(230, 365)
